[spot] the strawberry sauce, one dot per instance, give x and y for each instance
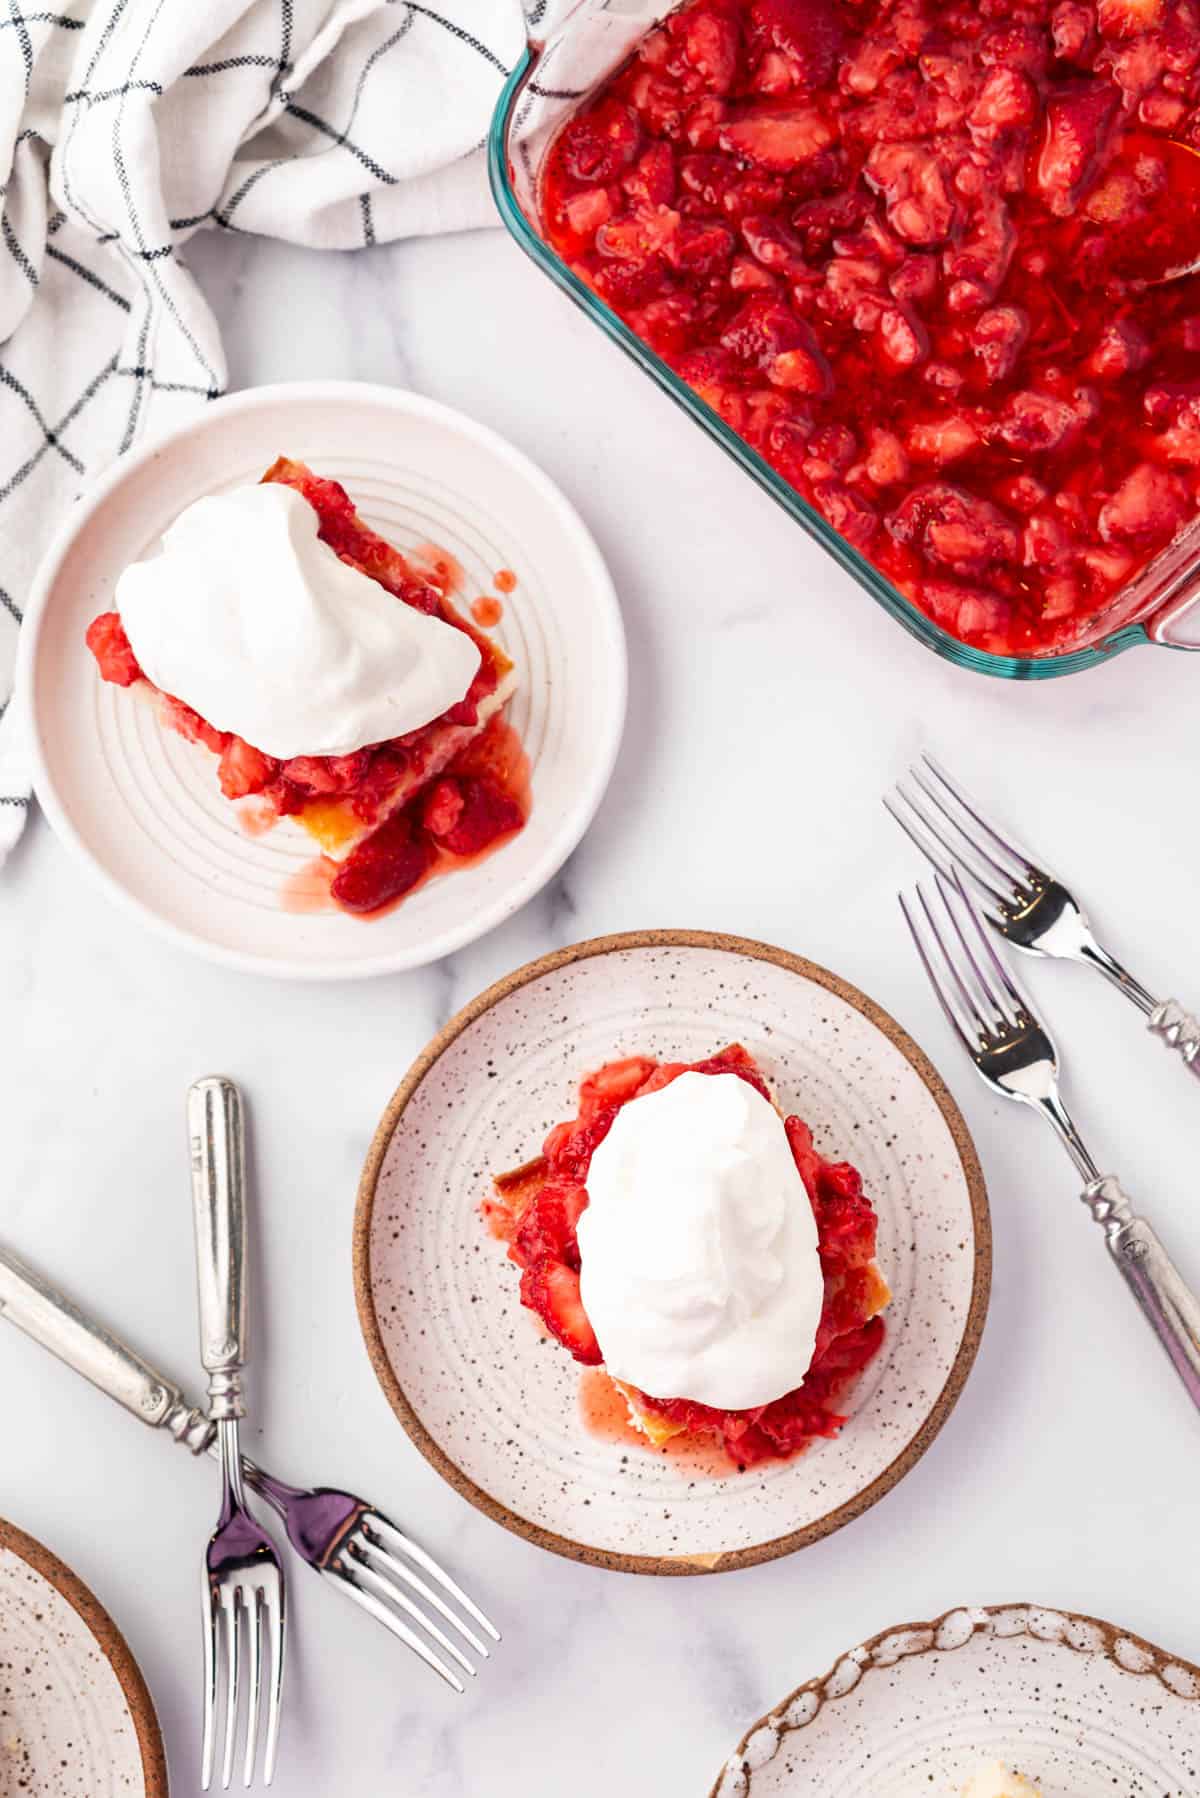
(898, 246)
(307, 890)
(487, 611)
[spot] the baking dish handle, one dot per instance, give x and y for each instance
(1177, 624)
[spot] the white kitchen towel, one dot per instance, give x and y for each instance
(128, 125)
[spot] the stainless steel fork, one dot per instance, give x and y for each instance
(1030, 907)
(1014, 1053)
(244, 1588)
(348, 1542)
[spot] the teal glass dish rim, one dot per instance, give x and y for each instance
(894, 603)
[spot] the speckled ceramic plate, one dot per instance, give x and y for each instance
(76, 1719)
(1082, 1708)
(498, 1407)
(142, 807)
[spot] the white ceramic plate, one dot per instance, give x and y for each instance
(1083, 1709)
(75, 1716)
(142, 807)
(495, 1405)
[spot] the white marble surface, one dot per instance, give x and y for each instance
(770, 704)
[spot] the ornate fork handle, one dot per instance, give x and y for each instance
(1168, 1304)
(55, 1321)
(1165, 1018)
(1179, 1030)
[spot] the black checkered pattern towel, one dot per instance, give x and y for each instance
(127, 125)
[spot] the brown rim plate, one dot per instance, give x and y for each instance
(83, 1725)
(496, 1408)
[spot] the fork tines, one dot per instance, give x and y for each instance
(974, 986)
(950, 831)
(378, 1563)
(249, 1606)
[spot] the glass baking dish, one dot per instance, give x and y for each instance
(1160, 605)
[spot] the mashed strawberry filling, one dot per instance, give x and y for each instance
(467, 789)
(899, 247)
(547, 1198)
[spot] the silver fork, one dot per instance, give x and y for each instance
(332, 1531)
(1030, 907)
(243, 1578)
(1015, 1055)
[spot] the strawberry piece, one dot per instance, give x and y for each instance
(1046, 543)
(487, 812)
(998, 337)
(699, 251)
(387, 766)
(942, 440)
(547, 1226)
(664, 1073)
(790, 1422)
(1073, 29)
(667, 323)
(773, 244)
(886, 460)
(661, 104)
(852, 516)
(846, 1356)
(651, 182)
(778, 136)
(443, 808)
(903, 339)
(585, 212)
(615, 1083)
(1007, 102)
(551, 1288)
(569, 1147)
(956, 529)
(1128, 18)
(920, 208)
(1178, 408)
(326, 776)
(190, 724)
(1079, 118)
(711, 43)
(1033, 423)
(598, 145)
(344, 531)
(244, 770)
(808, 1162)
(1121, 349)
(646, 232)
(804, 34)
(1147, 508)
(108, 643)
(768, 334)
(384, 865)
(733, 1059)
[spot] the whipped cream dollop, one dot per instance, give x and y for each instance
(251, 620)
(698, 1247)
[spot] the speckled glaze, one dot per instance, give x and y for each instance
(495, 1405)
(76, 1719)
(1082, 1708)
